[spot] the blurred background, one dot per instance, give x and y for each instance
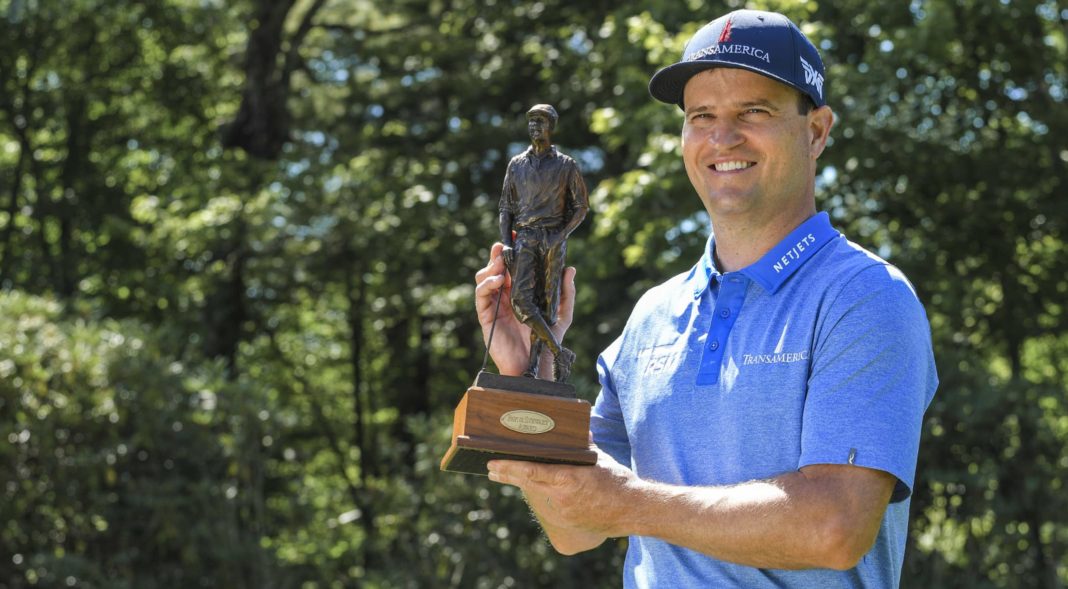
(238, 241)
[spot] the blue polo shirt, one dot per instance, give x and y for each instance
(819, 353)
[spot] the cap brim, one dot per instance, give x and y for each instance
(668, 84)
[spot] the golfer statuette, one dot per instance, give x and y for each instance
(529, 418)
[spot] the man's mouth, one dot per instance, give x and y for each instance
(732, 166)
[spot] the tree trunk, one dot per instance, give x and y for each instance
(261, 126)
(362, 432)
(73, 170)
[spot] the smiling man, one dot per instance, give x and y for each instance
(759, 417)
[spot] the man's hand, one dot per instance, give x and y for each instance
(511, 339)
(578, 506)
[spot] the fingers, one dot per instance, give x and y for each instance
(487, 286)
(495, 265)
(520, 474)
(490, 278)
(533, 475)
(566, 311)
(512, 472)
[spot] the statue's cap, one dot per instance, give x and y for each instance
(546, 110)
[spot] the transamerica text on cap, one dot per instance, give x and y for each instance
(730, 48)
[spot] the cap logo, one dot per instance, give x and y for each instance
(736, 49)
(812, 77)
(725, 36)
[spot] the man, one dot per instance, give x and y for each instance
(760, 415)
(543, 200)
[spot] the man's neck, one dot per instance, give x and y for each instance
(541, 147)
(741, 242)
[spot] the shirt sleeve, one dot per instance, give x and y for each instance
(873, 376)
(606, 419)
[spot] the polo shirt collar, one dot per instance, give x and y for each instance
(530, 153)
(781, 261)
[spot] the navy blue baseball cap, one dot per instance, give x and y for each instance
(766, 43)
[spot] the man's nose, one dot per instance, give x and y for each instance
(725, 133)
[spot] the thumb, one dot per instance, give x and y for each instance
(567, 296)
(495, 250)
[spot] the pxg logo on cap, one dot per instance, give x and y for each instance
(766, 43)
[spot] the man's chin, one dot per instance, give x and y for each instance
(728, 203)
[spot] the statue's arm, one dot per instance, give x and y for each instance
(578, 202)
(507, 217)
(506, 228)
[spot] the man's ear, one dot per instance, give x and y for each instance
(820, 121)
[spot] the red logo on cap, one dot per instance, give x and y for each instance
(726, 34)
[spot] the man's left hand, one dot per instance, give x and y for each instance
(590, 498)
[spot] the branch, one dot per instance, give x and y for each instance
(293, 54)
(354, 29)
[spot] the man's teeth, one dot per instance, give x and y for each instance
(731, 166)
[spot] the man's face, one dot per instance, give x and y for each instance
(748, 153)
(538, 126)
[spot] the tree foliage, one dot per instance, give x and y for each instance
(237, 243)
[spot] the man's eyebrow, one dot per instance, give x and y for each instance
(756, 102)
(762, 102)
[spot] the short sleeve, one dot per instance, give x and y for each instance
(873, 376)
(606, 419)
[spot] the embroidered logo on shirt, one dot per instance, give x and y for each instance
(787, 358)
(659, 359)
(777, 356)
(794, 253)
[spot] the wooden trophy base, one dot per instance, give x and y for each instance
(515, 418)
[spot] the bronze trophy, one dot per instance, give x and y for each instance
(523, 417)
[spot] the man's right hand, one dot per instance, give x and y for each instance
(511, 339)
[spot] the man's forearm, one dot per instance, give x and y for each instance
(790, 522)
(823, 516)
